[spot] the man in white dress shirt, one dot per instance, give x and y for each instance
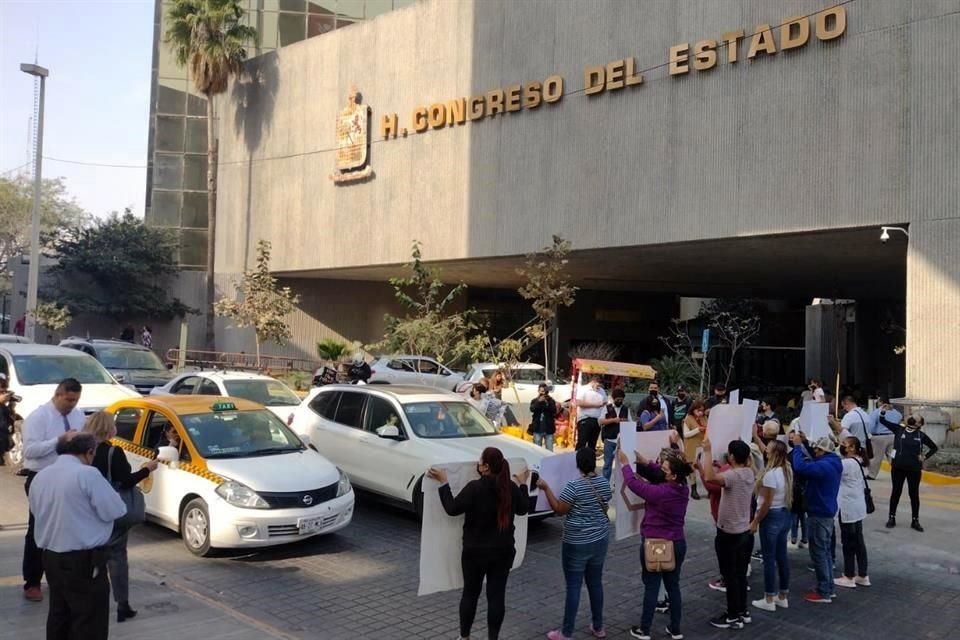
(40, 432)
(75, 507)
(591, 404)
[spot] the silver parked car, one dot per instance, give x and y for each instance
(416, 370)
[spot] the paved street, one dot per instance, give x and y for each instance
(362, 583)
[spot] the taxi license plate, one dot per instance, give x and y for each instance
(309, 525)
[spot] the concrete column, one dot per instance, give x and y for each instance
(933, 310)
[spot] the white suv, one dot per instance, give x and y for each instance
(35, 370)
(386, 437)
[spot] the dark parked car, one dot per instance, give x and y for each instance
(129, 363)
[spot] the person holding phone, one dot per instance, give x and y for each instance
(489, 505)
(652, 417)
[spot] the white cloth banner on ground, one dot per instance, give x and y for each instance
(724, 425)
(813, 420)
(441, 536)
(627, 521)
(749, 411)
(557, 471)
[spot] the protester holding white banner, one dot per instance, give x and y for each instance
(489, 505)
(662, 530)
(586, 534)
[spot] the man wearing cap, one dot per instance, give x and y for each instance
(40, 432)
(822, 472)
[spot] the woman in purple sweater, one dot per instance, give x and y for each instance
(663, 517)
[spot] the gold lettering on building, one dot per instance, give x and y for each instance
(552, 89)
(731, 40)
(794, 33)
(457, 111)
(513, 98)
(388, 126)
(437, 115)
(531, 95)
(761, 42)
(420, 123)
(678, 59)
(705, 55)
(831, 23)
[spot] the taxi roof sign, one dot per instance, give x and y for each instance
(224, 406)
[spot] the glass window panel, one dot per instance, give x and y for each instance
(167, 171)
(293, 5)
(267, 29)
(317, 25)
(165, 208)
(169, 135)
(351, 10)
(194, 212)
(196, 135)
(195, 173)
(171, 96)
(292, 28)
(377, 7)
(196, 103)
(193, 247)
(327, 7)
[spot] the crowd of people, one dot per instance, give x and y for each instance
(763, 493)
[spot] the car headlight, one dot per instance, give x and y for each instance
(343, 487)
(240, 495)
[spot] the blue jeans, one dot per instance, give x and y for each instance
(773, 541)
(820, 530)
(583, 562)
(545, 439)
(651, 588)
(799, 522)
(609, 448)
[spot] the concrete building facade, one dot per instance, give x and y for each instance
(760, 165)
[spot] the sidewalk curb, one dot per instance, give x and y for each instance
(930, 477)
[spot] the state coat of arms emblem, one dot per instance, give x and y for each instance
(353, 141)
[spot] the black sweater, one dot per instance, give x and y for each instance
(908, 446)
(543, 414)
(123, 476)
(478, 501)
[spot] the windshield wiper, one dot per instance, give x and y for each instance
(235, 454)
(272, 450)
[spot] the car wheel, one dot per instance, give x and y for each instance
(418, 498)
(195, 527)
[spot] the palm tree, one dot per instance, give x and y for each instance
(207, 37)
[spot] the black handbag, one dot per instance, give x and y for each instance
(867, 494)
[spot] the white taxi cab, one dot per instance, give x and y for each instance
(232, 474)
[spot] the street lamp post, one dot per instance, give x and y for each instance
(33, 275)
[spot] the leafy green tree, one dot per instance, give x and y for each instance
(118, 268)
(58, 210)
(431, 327)
(674, 371)
(208, 37)
(548, 288)
(260, 303)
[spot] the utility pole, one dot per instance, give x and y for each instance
(33, 275)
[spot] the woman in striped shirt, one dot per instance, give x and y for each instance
(585, 536)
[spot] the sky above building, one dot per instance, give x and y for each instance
(97, 98)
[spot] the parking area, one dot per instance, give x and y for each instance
(362, 582)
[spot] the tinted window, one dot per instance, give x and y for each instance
(447, 420)
(350, 409)
(381, 413)
(208, 388)
(427, 366)
(270, 393)
(325, 404)
(126, 358)
(127, 421)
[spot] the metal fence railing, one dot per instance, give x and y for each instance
(241, 361)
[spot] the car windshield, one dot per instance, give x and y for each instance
(447, 420)
(120, 358)
(33, 369)
(520, 375)
(239, 434)
(269, 393)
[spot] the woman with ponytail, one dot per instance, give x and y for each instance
(489, 505)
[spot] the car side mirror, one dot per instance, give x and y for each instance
(389, 432)
(168, 454)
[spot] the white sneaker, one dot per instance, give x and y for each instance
(764, 604)
(845, 582)
(801, 545)
(793, 546)
(781, 602)
(862, 582)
